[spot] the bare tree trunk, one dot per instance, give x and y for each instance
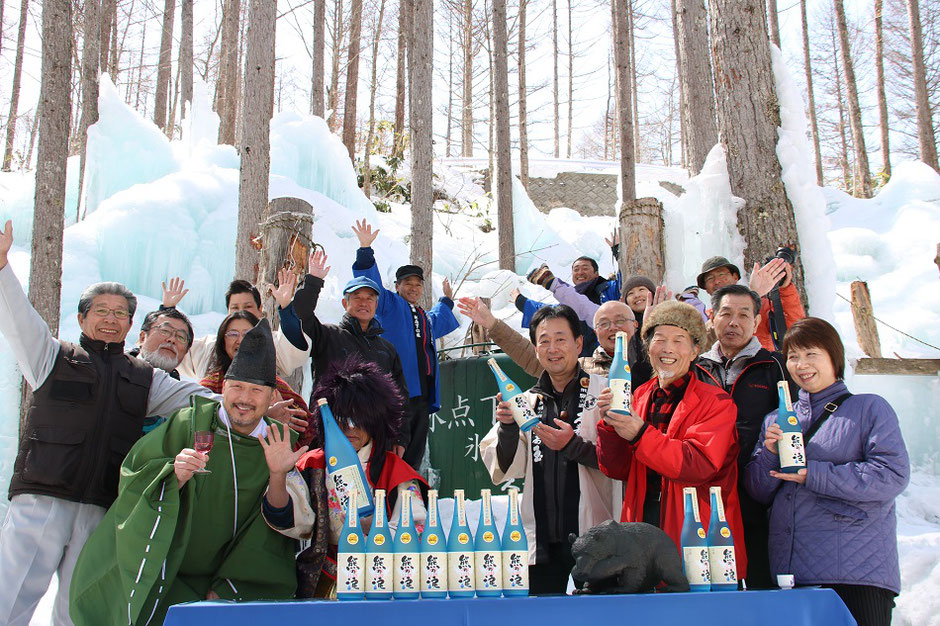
(373, 87)
(34, 127)
(421, 72)
(847, 180)
(227, 92)
(164, 69)
(108, 8)
(3, 5)
(634, 93)
(555, 102)
(925, 131)
(186, 55)
(882, 98)
(17, 78)
(773, 22)
(352, 80)
(697, 90)
(113, 59)
(505, 229)
(491, 127)
(748, 118)
(55, 109)
(624, 100)
(863, 181)
(466, 120)
(255, 149)
(339, 31)
(318, 50)
(523, 128)
(680, 70)
(91, 55)
(570, 78)
(450, 89)
(808, 68)
(398, 149)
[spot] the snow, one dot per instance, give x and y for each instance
(157, 208)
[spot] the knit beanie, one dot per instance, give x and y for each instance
(680, 314)
(637, 281)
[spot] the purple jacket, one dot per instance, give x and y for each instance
(839, 527)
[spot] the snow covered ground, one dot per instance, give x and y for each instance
(157, 209)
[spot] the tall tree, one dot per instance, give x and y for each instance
(90, 59)
(847, 179)
(373, 87)
(697, 91)
(748, 118)
(555, 102)
(186, 54)
(108, 11)
(523, 123)
(17, 78)
(227, 91)
(401, 78)
(808, 69)
(624, 101)
(338, 36)
(570, 78)
(634, 90)
(318, 53)
(420, 73)
(773, 22)
(925, 130)
(466, 118)
(863, 172)
(165, 66)
(505, 229)
(352, 79)
(255, 149)
(880, 85)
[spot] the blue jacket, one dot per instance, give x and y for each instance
(394, 314)
(840, 527)
(529, 307)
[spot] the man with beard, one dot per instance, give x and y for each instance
(187, 525)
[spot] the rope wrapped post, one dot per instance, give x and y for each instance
(865, 328)
(641, 239)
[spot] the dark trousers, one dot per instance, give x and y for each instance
(758, 559)
(551, 577)
(870, 606)
(419, 410)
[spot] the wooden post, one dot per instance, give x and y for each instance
(286, 240)
(641, 239)
(865, 328)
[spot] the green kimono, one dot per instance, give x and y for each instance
(160, 545)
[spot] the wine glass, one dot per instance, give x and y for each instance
(203, 444)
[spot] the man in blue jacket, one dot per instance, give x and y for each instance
(412, 330)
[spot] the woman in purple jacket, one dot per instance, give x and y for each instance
(833, 523)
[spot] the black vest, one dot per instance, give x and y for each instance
(84, 419)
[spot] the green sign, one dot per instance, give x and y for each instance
(468, 405)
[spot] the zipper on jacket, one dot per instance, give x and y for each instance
(105, 403)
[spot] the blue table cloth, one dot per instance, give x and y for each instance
(795, 607)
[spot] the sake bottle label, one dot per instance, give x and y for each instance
(521, 411)
(697, 570)
(460, 574)
(620, 399)
(722, 564)
(406, 572)
(344, 479)
(433, 571)
(489, 570)
(350, 570)
(378, 572)
(791, 450)
(515, 568)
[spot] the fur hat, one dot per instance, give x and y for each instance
(680, 314)
(637, 281)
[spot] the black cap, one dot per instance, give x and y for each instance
(408, 270)
(255, 362)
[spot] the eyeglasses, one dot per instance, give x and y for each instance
(619, 322)
(235, 334)
(166, 331)
(120, 314)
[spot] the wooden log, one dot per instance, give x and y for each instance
(865, 328)
(898, 367)
(641, 239)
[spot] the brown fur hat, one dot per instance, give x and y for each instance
(674, 313)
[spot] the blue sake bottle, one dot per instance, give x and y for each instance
(694, 545)
(460, 577)
(515, 551)
(343, 469)
(722, 565)
(433, 553)
(379, 556)
(487, 551)
(522, 413)
(351, 556)
(619, 379)
(790, 448)
(407, 547)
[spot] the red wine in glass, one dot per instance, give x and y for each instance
(203, 444)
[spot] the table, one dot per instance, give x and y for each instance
(793, 607)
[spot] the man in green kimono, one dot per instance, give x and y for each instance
(175, 534)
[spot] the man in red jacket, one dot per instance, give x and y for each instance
(681, 433)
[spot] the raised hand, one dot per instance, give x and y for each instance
(365, 233)
(476, 310)
(515, 293)
(614, 238)
(448, 291)
(278, 453)
(662, 294)
(174, 293)
(317, 264)
(764, 278)
(286, 285)
(283, 412)
(6, 242)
